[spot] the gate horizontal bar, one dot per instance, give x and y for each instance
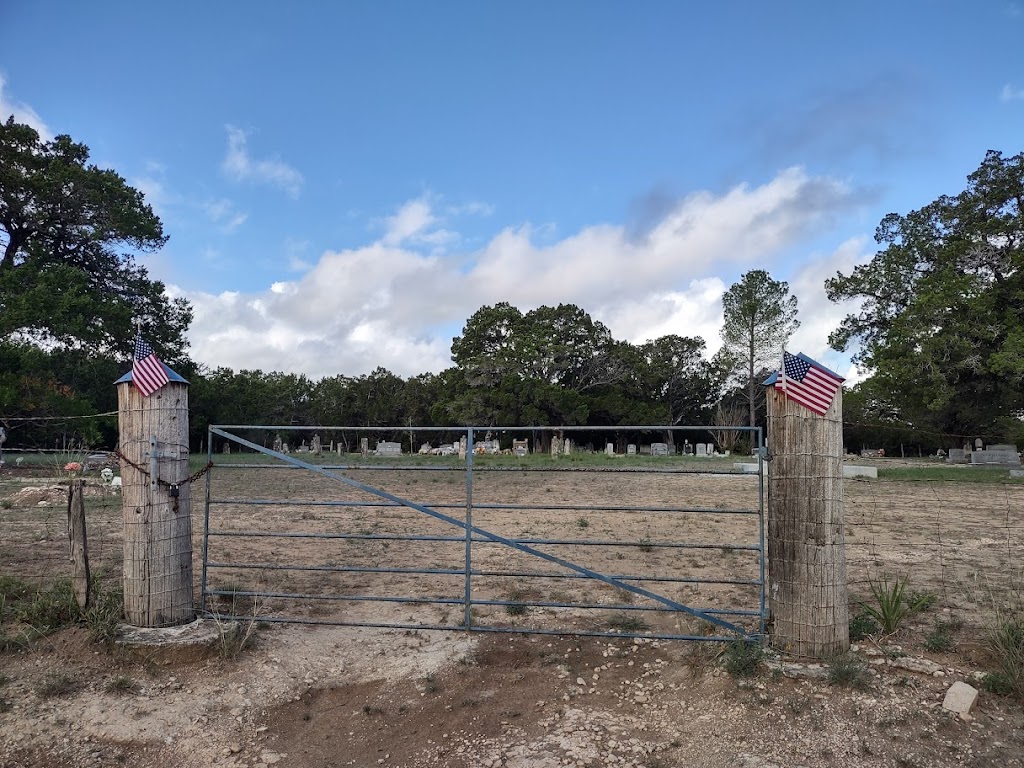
(641, 470)
(520, 428)
(621, 607)
(462, 572)
(510, 507)
(482, 540)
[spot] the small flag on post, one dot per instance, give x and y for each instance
(148, 372)
(806, 382)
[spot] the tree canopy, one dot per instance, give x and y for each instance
(760, 316)
(941, 324)
(69, 232)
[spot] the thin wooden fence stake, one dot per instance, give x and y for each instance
(79, 547)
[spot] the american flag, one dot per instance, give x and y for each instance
(807, 383)
(147, 371)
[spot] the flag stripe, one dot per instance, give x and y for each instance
(806, 383)
(148, 373)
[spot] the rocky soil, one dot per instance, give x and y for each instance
(359, 697)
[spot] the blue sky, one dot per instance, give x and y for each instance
(345, 183)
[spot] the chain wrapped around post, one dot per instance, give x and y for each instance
(172, 487)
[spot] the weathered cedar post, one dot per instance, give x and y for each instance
(79, 543)
(157, 512)
(806, 559)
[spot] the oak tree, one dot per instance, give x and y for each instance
(69, 236)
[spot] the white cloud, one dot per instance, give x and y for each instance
(239, 166)
(1011, 93)
(22, 113)
(397, 302)
(222, 212)
(819, 316)
(415, 224)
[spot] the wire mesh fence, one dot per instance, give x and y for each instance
(962, 541)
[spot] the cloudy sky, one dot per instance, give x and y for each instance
(345, 183)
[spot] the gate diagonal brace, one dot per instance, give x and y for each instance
(497, 538)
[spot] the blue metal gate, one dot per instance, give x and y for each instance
(358, 543)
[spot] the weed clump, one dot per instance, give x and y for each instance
(743, 658)
(1006, 641)
(849, 671)
(893, 604)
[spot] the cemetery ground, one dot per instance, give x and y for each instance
(300, 695)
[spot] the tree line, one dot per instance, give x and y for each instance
(940, 329)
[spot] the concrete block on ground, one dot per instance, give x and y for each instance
(752, 468)
(853, 470)
(960, 698)
(1017, 473)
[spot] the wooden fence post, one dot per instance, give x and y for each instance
(156, 505)
(806, 559)
(79, 547)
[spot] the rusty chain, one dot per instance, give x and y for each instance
(191, 478)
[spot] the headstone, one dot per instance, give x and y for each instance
(645, 450)
(702, 449)
(364, 446)
(556, 446)
(956, 456)
(1002, 458)
(388, 448)
(284, 448)
(227, 448)
(521, 447)
(462, 447)
(316, 448)
(609, 449)
(687, 449)
(979, 444)
(277, 443)
(568, 447)
(332, 446)
(659, 449)
(341, 449)
(960, 698)
(303, 448)
(631, 450)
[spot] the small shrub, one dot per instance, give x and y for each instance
(892, 603)
(743, 658)
(121, 684)
(848, 670)
(627, 623)
(862, 626)
(12, 644)
(582, 523)
(105, 613)
(516, 606)
(56, 684)
(645, 545)
(940, 639)
(4, 679)
(1006, 641)
(431, 684)
(51, 609)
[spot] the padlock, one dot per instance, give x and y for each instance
(173, 492)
